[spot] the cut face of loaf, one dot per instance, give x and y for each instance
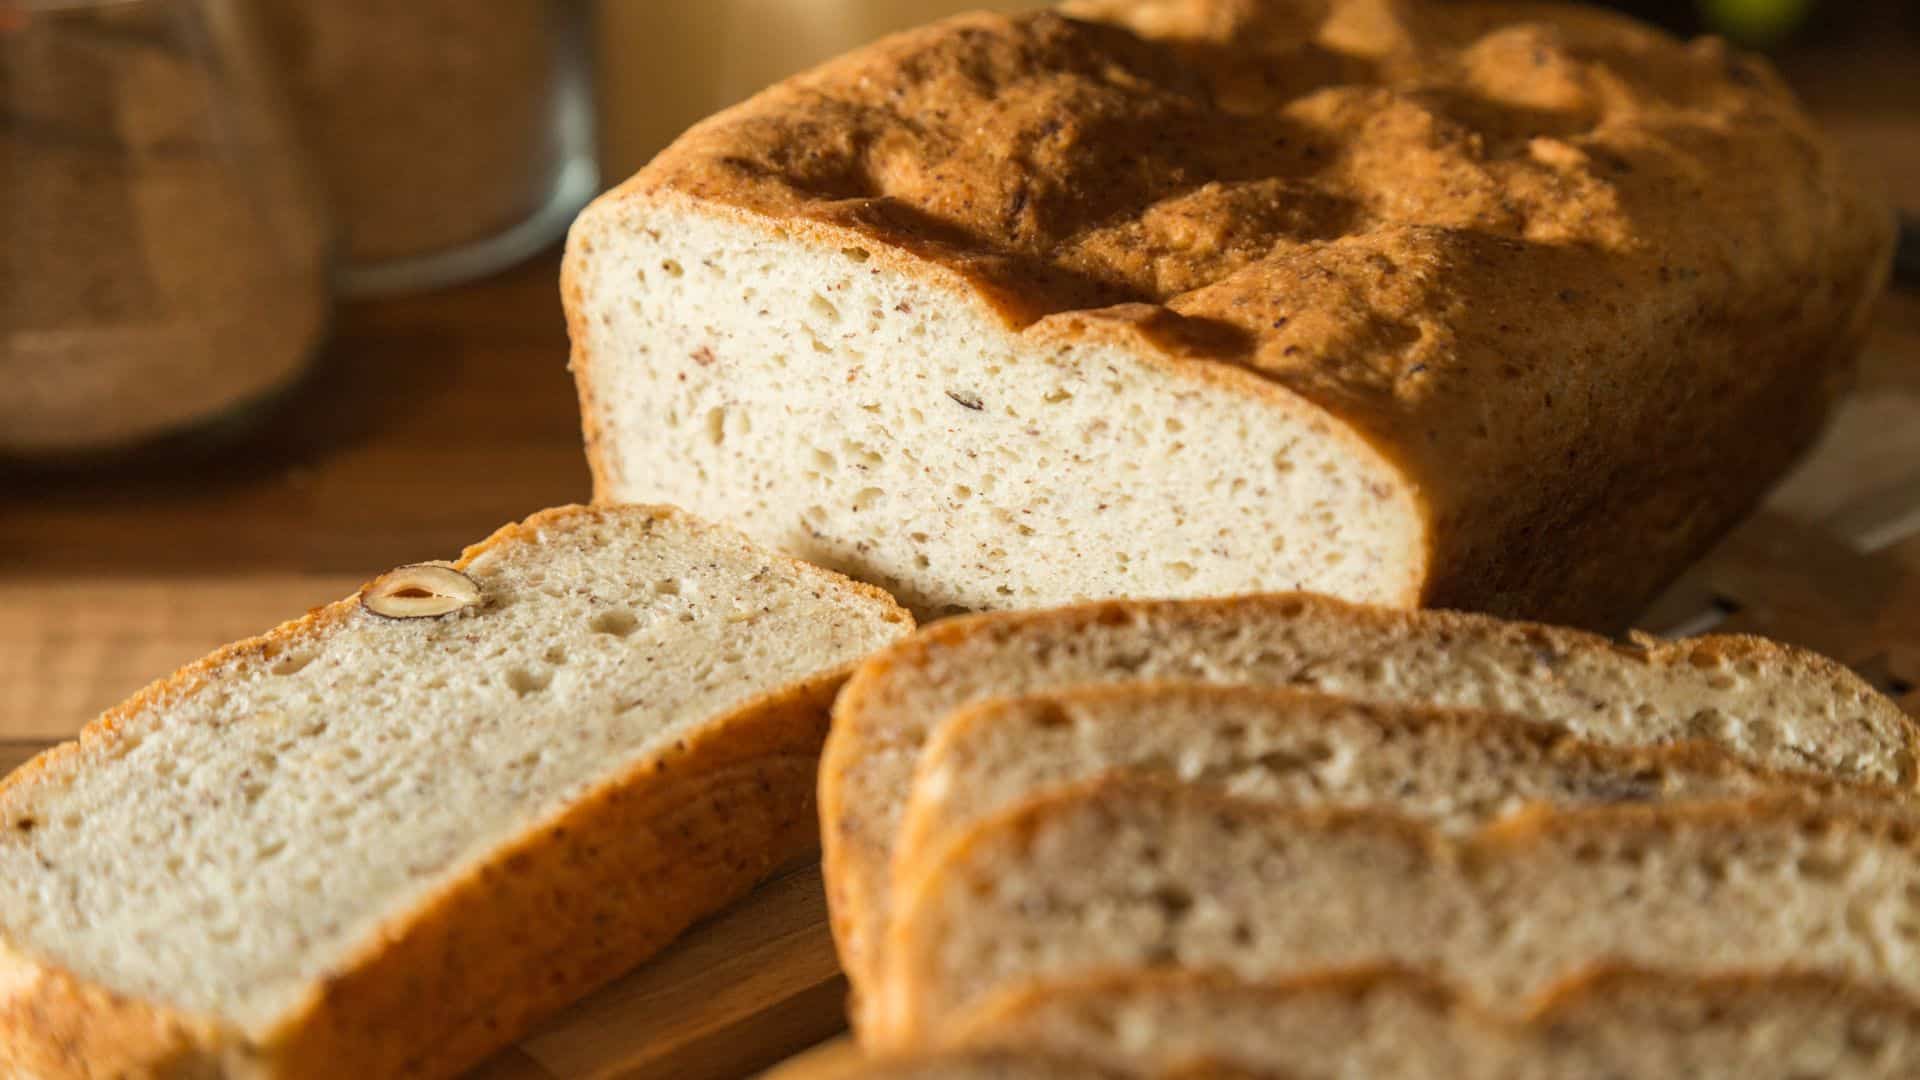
(1770, 705)
(367, 845)
(1125, 875)
(1394, 1025)
(1455, 770)
(866, 418)
(1398, 302)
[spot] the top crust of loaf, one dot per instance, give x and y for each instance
(1416, 217)
(55, 1024)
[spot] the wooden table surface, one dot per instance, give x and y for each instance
(435, 418)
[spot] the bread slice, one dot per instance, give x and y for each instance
(1402, 302)
(1767, 704)
(1399, 1025)
(1125, 874)
(365, 845)
(1453, 769)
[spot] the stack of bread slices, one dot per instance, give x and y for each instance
(1290, 836)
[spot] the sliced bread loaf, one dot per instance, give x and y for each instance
(1397, 1025)
(1453, 769)
(1126, 874)
(1466, 304)
(1767, 704)
(383, 839)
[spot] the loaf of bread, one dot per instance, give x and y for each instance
(1453, 769)
(1131, 875)
(1510, 307)
(1397, 1025)
(383, 839)
(1770, 705)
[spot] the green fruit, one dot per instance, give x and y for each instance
(1755, 22)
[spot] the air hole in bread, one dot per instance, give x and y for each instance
(616, 623)
(524, 682)
(292, 663)
(1817, 866)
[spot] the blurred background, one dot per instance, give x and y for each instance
(278, 279)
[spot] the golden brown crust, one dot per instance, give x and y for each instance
(1555, 266)
(574, 902)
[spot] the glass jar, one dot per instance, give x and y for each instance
(163, 255)
(455, 137)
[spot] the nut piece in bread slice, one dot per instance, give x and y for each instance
(1455, 304)
(387, 837)
(1386, 1024)
(1454, 769)
(1770, 705)
(1125, 874)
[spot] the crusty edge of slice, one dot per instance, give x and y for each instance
(895, 1017)
(922, 836)
(851, 898)
(987, 1023)
(572, 902)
